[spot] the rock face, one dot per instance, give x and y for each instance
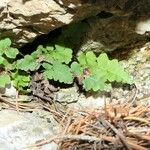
(123, 26)
(115, 32)
(24, 20)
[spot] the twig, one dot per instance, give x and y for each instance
(43, 97)
(121, 136)
(68, 137)
(132, 101)
(84, 138)
(137, 119)
(65, 131)
(140, 136)
(18, 106)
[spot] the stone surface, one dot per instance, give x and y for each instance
(115, 32)
(20, 130)
(69, 95)
(72, 98)
(24, 20)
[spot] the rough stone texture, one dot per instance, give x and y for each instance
(115, 32)
(23, 20)
(21, 130)
(124, 26)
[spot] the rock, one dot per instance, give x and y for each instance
(20, 130)
(67, 96)
(94, 101)
(114, 33)
(9, 91)
(71, 97)
(24, 20)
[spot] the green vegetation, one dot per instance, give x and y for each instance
(9, 72)
(99, 71)
(94, 73)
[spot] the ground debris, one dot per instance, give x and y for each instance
(113, 127)
(42, 89)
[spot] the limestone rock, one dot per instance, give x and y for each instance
(24, 20)
(21, 130)
(122, 26)
(115, 32)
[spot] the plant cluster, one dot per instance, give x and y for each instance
(99, 72)
(55, 61)
(9, 72)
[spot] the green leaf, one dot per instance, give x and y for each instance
(91, 59)
(47, 66)
(58, 72)
(48, 49)
(27, 63)
(1, 60)
(62, 54)
(36, 54)
(4, 79)
(62, 73)
(93, 83)
(4, 45)
(40, 48)
(103, 61)
(113, 69)
(8, 66)
(11, 52)
(48, 74)
(82, 60)
(21, 81)
(76, 69)
(117, 73)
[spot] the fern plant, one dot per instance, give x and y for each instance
(94, 73)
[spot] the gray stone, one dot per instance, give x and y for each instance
(20, 130)
(24, 20)
(68, 95)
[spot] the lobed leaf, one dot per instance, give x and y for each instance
(21, 81)
(4, 45)
(93, 83)
(62, 73)
(91, 59)
(48, 73)
(11, 52)
(58, 72)
(27, 63)
(4, 80)
(76, 69)
(1, 60)
(62, 54)
(82, 60)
